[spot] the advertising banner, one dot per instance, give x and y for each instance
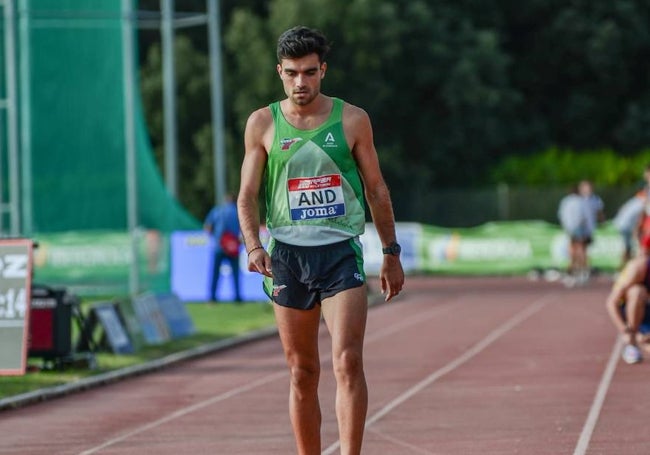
(15, 285)
(98, 262)
(409, 236)
(191, 270)
(492, 248)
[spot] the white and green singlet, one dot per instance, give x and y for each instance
(314, 194)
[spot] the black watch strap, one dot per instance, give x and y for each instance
(393, 248)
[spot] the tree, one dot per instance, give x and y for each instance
(193, 117)
(453, 88)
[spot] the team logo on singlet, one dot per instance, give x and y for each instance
(287, 142)
(330, 141)
(316, 197)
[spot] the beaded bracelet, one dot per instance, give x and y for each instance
(256, 248)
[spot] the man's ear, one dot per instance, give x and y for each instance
(279, 69)
(323, 69)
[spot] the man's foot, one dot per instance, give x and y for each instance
(631, 354)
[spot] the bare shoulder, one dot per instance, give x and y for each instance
(260, 119)
(357, 127)
(354, 114)
(259, 129)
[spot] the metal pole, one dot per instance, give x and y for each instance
(128, 71)
(25, 120)
(12, 118)
(218, 140)
(169, 96)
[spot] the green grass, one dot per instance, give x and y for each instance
(212, 323)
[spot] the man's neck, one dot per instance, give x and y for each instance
(310, 115)
(318, 106)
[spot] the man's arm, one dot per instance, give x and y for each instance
(252, 172)
(358, 132)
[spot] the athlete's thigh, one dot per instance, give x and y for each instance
(298, 331)
(345, 315)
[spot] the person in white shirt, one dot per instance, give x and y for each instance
(573, 214)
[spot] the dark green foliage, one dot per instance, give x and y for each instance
(453, 88)
(555, 166)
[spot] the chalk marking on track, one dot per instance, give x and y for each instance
(185, 411)
(599, 399)
(451, 366)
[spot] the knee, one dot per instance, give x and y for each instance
(305, 376)
(348, 365)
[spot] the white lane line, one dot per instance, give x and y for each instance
(187, 410)
(413, 320)
(400, 443)
(260, 382)
(599, 399)
(419, 318)
(467, 355)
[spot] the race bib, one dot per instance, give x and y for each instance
(316, 197)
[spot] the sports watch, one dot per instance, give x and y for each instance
(394, 249)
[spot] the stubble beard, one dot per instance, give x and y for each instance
(305, 99)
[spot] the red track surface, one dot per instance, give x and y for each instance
(455, 366)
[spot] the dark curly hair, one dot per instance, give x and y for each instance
(300, 41)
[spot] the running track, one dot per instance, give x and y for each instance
(455, 366)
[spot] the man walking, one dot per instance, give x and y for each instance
(318, 155)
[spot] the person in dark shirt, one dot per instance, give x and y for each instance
(223, 224)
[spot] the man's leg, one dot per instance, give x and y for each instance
(345, 315)
(299, 335)
(581, 256)
(635, 303)
(214, 283)
(234, 266)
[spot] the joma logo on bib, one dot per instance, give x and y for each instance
(316, 197)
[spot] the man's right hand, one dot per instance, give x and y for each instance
(259, 261)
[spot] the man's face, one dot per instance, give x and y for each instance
(301, 78)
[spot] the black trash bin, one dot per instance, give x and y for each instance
(50, 323)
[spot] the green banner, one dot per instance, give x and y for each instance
(509, 247)
(99, 262)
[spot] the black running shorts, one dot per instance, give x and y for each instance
(305, 275)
